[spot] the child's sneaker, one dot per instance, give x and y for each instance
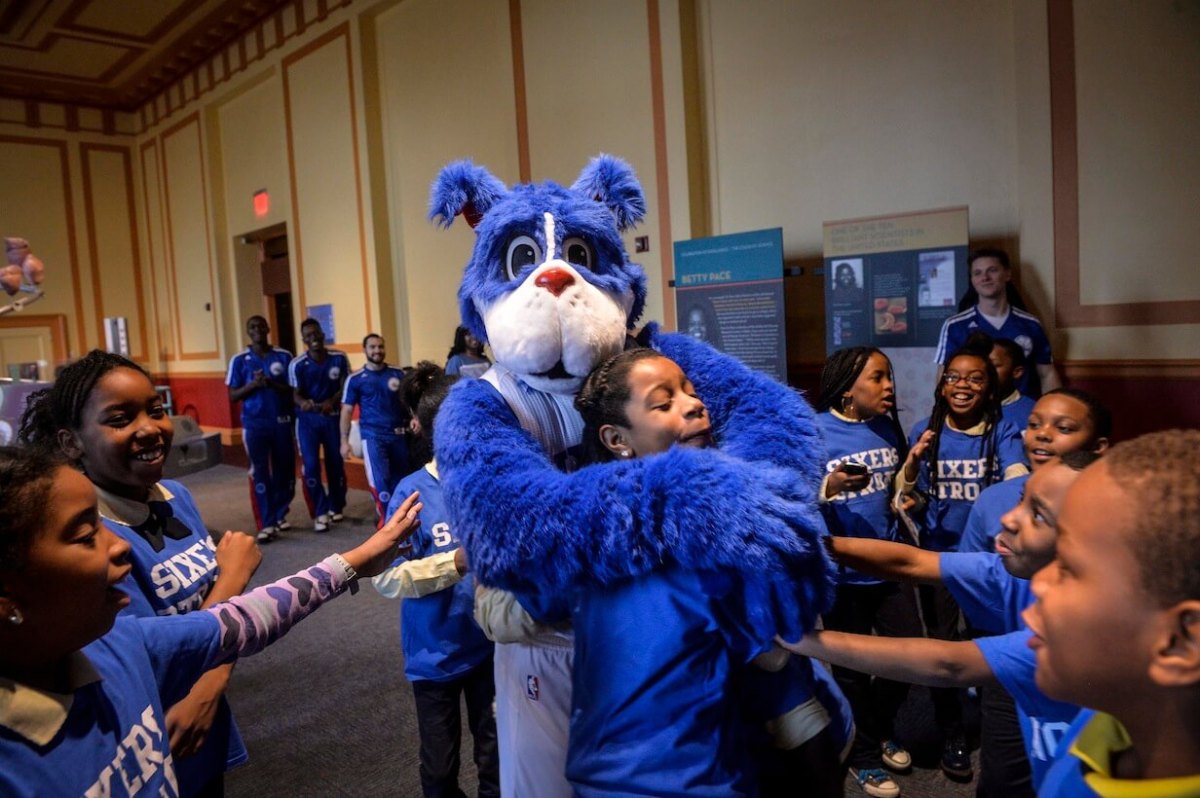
(267, 534)
(283, 526)
(894, 756)
(335, 517)
(876, 782)
(321, 523)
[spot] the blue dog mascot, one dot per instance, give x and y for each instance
(550, 287)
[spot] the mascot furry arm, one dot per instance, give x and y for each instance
(748, 507)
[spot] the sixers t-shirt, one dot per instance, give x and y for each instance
(962, 474)
(864, 513)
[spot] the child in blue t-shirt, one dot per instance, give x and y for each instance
(993, 591)
(864, 445)
(1116, 623)
(83, 691)
(1009, 359)
(658, 658)
(446, 655)
(104, 413)
(961, 449)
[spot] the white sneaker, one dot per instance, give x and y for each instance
(335, 517)
(321, 523)
(876, 783)
(266, 535)
(283, 525)
(894, 756)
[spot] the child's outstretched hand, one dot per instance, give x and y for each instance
(378, 551)
(915, 454)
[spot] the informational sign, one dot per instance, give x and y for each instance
(890, 282)
(729, 292)
(324, 314)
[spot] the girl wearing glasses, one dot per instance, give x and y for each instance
(963, 447)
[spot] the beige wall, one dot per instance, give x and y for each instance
(811, 111)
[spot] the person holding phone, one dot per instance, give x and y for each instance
(865, 444)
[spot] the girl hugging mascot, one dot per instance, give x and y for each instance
(550, 287)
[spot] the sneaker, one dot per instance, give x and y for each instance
(321, 523)
(894, 756)
(266, 535)
(876, 782)
(283, 526)
(956, 756)
(335, 517)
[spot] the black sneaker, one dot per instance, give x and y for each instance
(956, 756)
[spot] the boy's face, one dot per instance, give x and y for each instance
(1029, 532)
(1094, 624)
(1008, 371)
(1059, 424)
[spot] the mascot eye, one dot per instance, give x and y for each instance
(522, 251)
(578, 252)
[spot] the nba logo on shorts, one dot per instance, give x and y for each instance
(531, 687)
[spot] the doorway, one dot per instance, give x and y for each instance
(266, 277)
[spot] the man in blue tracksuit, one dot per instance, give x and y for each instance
(257, 378)
(383, 417)
(316, 378)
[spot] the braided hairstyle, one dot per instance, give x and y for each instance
(991, 415)
(603, 397)
(61, 405)
(26, 482)
(424, 388)
(842, 369)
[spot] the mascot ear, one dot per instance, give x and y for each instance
(462, 187)
(611, 182)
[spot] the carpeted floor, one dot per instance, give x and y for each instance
(327, 711)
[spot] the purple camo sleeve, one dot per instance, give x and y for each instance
(251, 622)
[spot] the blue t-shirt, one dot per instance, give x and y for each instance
(1021, 327)
(1017, 411)
(961, 478)
(319, 381)
(983, 522)
(655, 659)
(382, 412)
(467, 366)
(438, 632)
(1044, 721)
(172, 581)
(114, 741)
(865, 513)
(990, 597)
(264, 407)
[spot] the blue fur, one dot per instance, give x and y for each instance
(604, 200)
(610, 180)
(748, 507)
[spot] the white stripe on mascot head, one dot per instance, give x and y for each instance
(549, 285)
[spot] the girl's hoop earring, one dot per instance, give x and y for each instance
(848, 406)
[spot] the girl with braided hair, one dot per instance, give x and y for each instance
(85, 684)
(105, 416)
(963, 447)
(865, 446)
(664, 720)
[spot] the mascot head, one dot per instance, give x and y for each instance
(549, 285)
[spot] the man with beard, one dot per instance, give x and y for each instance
(383, 418)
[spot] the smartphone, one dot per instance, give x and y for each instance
(853, 469)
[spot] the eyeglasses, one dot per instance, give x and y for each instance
(974, 380)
